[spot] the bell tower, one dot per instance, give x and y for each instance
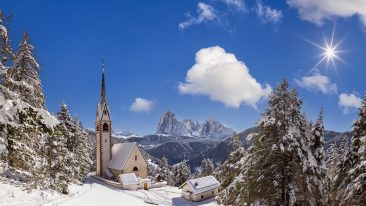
(103, 131)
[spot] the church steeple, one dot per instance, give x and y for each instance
(103, 132)
(102, 95)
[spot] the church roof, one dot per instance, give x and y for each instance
(120, 154)
(202, 184)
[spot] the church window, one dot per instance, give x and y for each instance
(105, 127)
(97, 127)
(135, 157)
(135, 169)
(105, 140)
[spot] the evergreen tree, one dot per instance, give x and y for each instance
(65, 119)
(59, 169)
(181, 173)
(164, 169)
(279, 149)
(6, 51)
(27, 141)
(341, 180)
(23, 78)
(207, 167)
(332, 162)
(82, 151)
(232, 175)
(317, 167)
(355, 193)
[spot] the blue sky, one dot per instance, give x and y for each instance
(243, 48)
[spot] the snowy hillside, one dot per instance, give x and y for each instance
(211, 128)
(94, 192)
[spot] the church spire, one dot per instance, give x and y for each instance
(103, 96)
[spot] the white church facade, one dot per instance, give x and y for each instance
(114, 159)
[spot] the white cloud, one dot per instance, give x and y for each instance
(205, 13)
(349, 101)
(268, 14)
(317, 11)
(223, 78)
(317, 82)
(236, 4)
(142, 105)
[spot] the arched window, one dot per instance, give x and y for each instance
(135, 169)
(135, 157)
(97, 127)
(105, 127)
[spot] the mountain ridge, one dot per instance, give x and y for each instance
(170, 125)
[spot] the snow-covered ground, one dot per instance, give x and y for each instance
(95, 192)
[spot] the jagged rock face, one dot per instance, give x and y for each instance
(211, 128)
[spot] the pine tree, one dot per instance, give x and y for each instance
(332, 162)
(27, 141)
(279, 149)
(341, 180)
(65, 119)
(317, 167)
(164, 169)
(23, 78)
(233, 175)
(60, 171)
(6, 51)
(355, 192)
(230, 169)
(207, 167)
(181, 173)
(82, 151)
(67, 128)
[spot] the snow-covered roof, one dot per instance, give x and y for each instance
(202, 184)
(120, 154)
(128, 179)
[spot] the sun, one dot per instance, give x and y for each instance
(330, 53)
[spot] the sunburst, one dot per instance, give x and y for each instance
(330, 52)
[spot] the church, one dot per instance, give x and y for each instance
(114, 159)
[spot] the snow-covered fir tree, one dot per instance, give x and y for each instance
(316, 170)
(181, 173)
(82, 151)
(164, 170)
(207, 167)
(6, 51)
(355, 192)
(23, 78)
(279, 150)
(233, 175)
(340, 181)
(58, 156)
(332, 162)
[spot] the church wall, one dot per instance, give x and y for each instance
(140, 164)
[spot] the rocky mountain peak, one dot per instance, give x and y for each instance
(169, 125)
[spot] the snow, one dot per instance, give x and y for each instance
(9, 109)
(95, 192)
